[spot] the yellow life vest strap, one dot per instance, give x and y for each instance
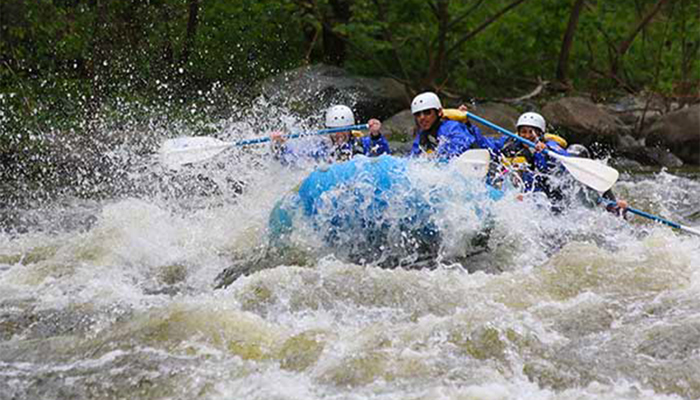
(519, 160)
(454, 114)
(556, 138)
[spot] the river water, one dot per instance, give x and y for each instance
(118, 296)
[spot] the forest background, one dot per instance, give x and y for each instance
(65, 64)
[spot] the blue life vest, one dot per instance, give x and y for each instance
(450, 139)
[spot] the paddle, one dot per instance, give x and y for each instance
(656, 218)
(473, 163)
(188, 150)
(589, 172)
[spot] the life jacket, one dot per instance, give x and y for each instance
(461, 116)
(454, 115)
(375, 146)
(515, 162)
(428, 141)
(517, 155)
(347, 150)
(550, 137)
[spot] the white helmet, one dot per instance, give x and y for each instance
(338, 116)
(425, 101)
(532, 119)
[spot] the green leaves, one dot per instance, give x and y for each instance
(136, 44)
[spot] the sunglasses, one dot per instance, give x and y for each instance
(424, 113)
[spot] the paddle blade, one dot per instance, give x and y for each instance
(695, 230)
(188, 150)
(591, 173)
(473, 163)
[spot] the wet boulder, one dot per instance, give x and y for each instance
(679, 131)
(500, 114)
(638, 111)
(657, 156)
(400, 130)
(584, 121)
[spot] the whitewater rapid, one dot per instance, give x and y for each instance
(118, 298)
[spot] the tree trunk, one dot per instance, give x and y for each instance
(334, 50)
(191, 31)
(484, 25)
(382, 12)
(98, 71)
(437, 63)
(562, 66)
(5, 18)
(625, 44)
(167, 55)
(311, 33)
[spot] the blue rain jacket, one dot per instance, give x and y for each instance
(324, 151)
(372, 147)
(453, 139)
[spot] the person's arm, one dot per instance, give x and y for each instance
(375, 143)
(280, 150)
(383, 145)
(613, 205)
(543, 162)
(483, 142)
(415, 149)
(321, 152)
(455, 138)
(499, 144)
(375, 146)
(555, 147)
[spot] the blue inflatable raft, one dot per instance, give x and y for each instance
(379, 209)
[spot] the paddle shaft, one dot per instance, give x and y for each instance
(589, 172)
(630, 209)
(297, 135)
(503, 131)
(655, 218)
(181, 151)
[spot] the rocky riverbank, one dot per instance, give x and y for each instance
(637, 130)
